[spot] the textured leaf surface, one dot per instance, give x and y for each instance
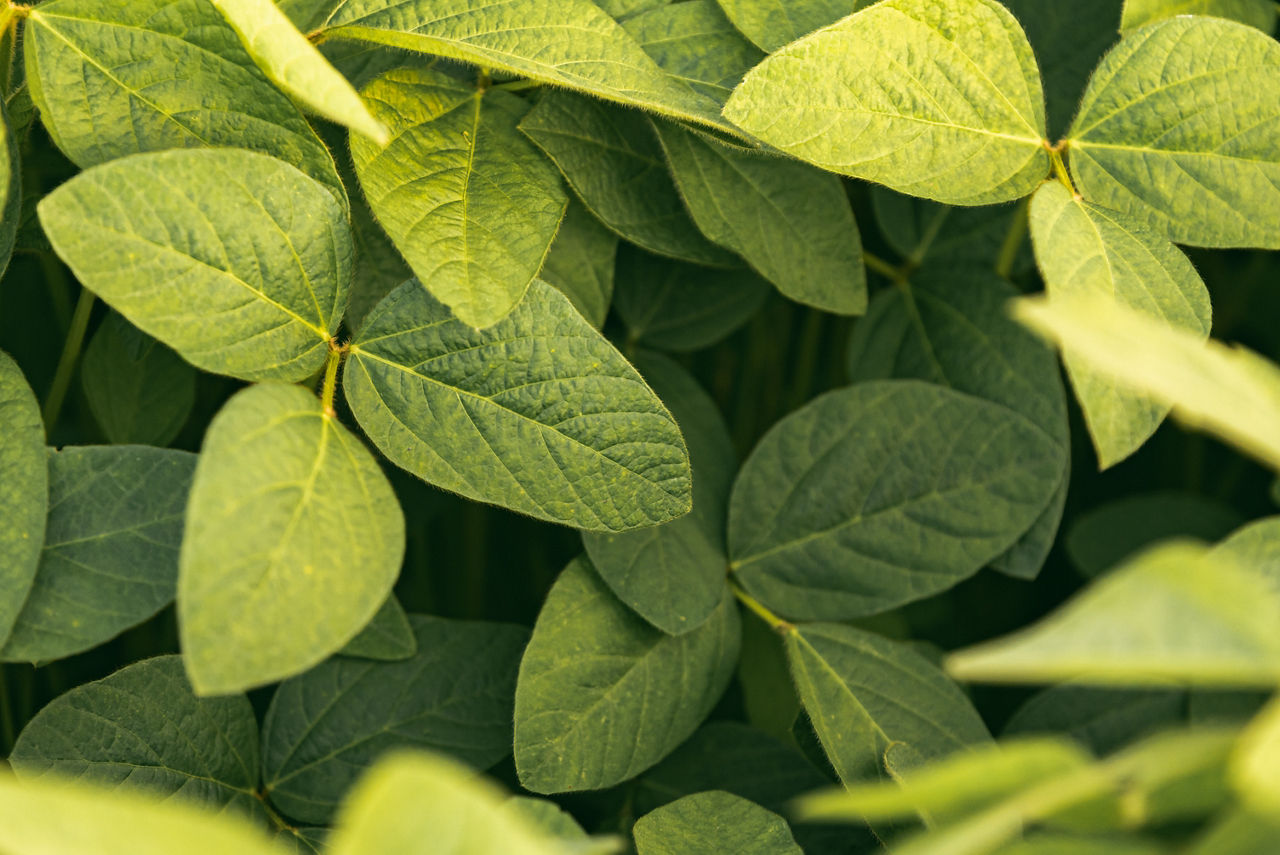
(710, 823)
(864, 693)
(1204, 620)
(694, 42)
(774, 23)
(455, 695)
(572, 43)
(581, 263)
(10, 188)
(935, 98)
(613, 161)
(602, 695)
(1085, 250)
(174, 239)
(143, 727)
(24, 491)
(469, 203)
(387, 637)
(294, 64)
(44, 818)
(102, 74)
(1257, 13)
(673, 575)
(950, 327)
(1229, 391)
(1180, 129)
(286, 504)
(883, 493)
(791, 222)
(110, 558)
(139, 390)
(537, 413)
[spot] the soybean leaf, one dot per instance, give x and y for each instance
(293, 63)
(694, 42)
(950, 328)
(1256, 761)
(602, 695)
(935, 98)
(864, 693)
(1257, 13)
(773, 23)
(175, 238)
(547, 816)
(1257, 547)
(475, 218)
(24, 491)
(612, 160)
(1180, 129)
(138, 390)
(622, 9)
(537, 413)
(41, 817)
(1106, 535)
(455, 695)
(1238, 832)
(1229, 391)
(388, 637)
(670, 305)
(143, 727)
(285, 503)
(10, 188)
(673, 575)
(1102, 719)
(926, 233)
(103, 77)
(883, 493)
(581, 263)
(1086, 250)
(572, 44)
(1204, 621)
(710, 823)
(790, 222)
(302, 841)
(1063, 844)
(110, 558)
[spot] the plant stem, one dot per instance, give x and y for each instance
(776, 623)
(1013, 239)
(1060, 169)
(879, 265)
(331, 378)
(518, 85)
(67, 362)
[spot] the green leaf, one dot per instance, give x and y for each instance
(694, 42)
(883, 493)
(673, 575)
(469, 411)
(143, 727)
(1102, 719)
(425, 804)
(670, 305)
(935, 98)
(474, 219)
(1256, 13)
(949, 327)
(774, 23)
(110, 557)
(102, 74)
(286, 503)
(926, 233)
(455, 695)
(864, 693)
(1229, 391)
(48, 817)
(574, 45)
(710, 823)
(1204, 621)
(1239, 832)
(1255, 763)
(138, 390)
(621, 9)
(173, 239)
(602, 695)
(302, 841)
(547, 816)
(293, 63)
(1257, 547)
(1085, 250)
(790, 222)
(1180, 129)
(581, 263)
(612, 160)
(387, 637)
(1061, 844)
(10, 188)
(24, 491)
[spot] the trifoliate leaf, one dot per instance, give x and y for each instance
(24, 491)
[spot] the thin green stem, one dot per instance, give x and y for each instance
(776, 623)
(879, 265)
(1060, 168)
(1013, 239)
(70, 357)
(519, 85)
(330, 389)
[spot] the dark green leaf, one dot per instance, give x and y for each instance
(24, 491)
(581, 263)
(387, 637)
(711, 823)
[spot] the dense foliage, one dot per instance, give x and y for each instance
(557, 426)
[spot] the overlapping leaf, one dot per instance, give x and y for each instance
(387, 637)
(10, 188)
(774, 23)
(537, 413)
(935, 98)
(24, 491)
(710, 823)
(174, 239)
(581, 263)
(469, 203)
(694, 42)
(1257, 13)
(293, 541)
